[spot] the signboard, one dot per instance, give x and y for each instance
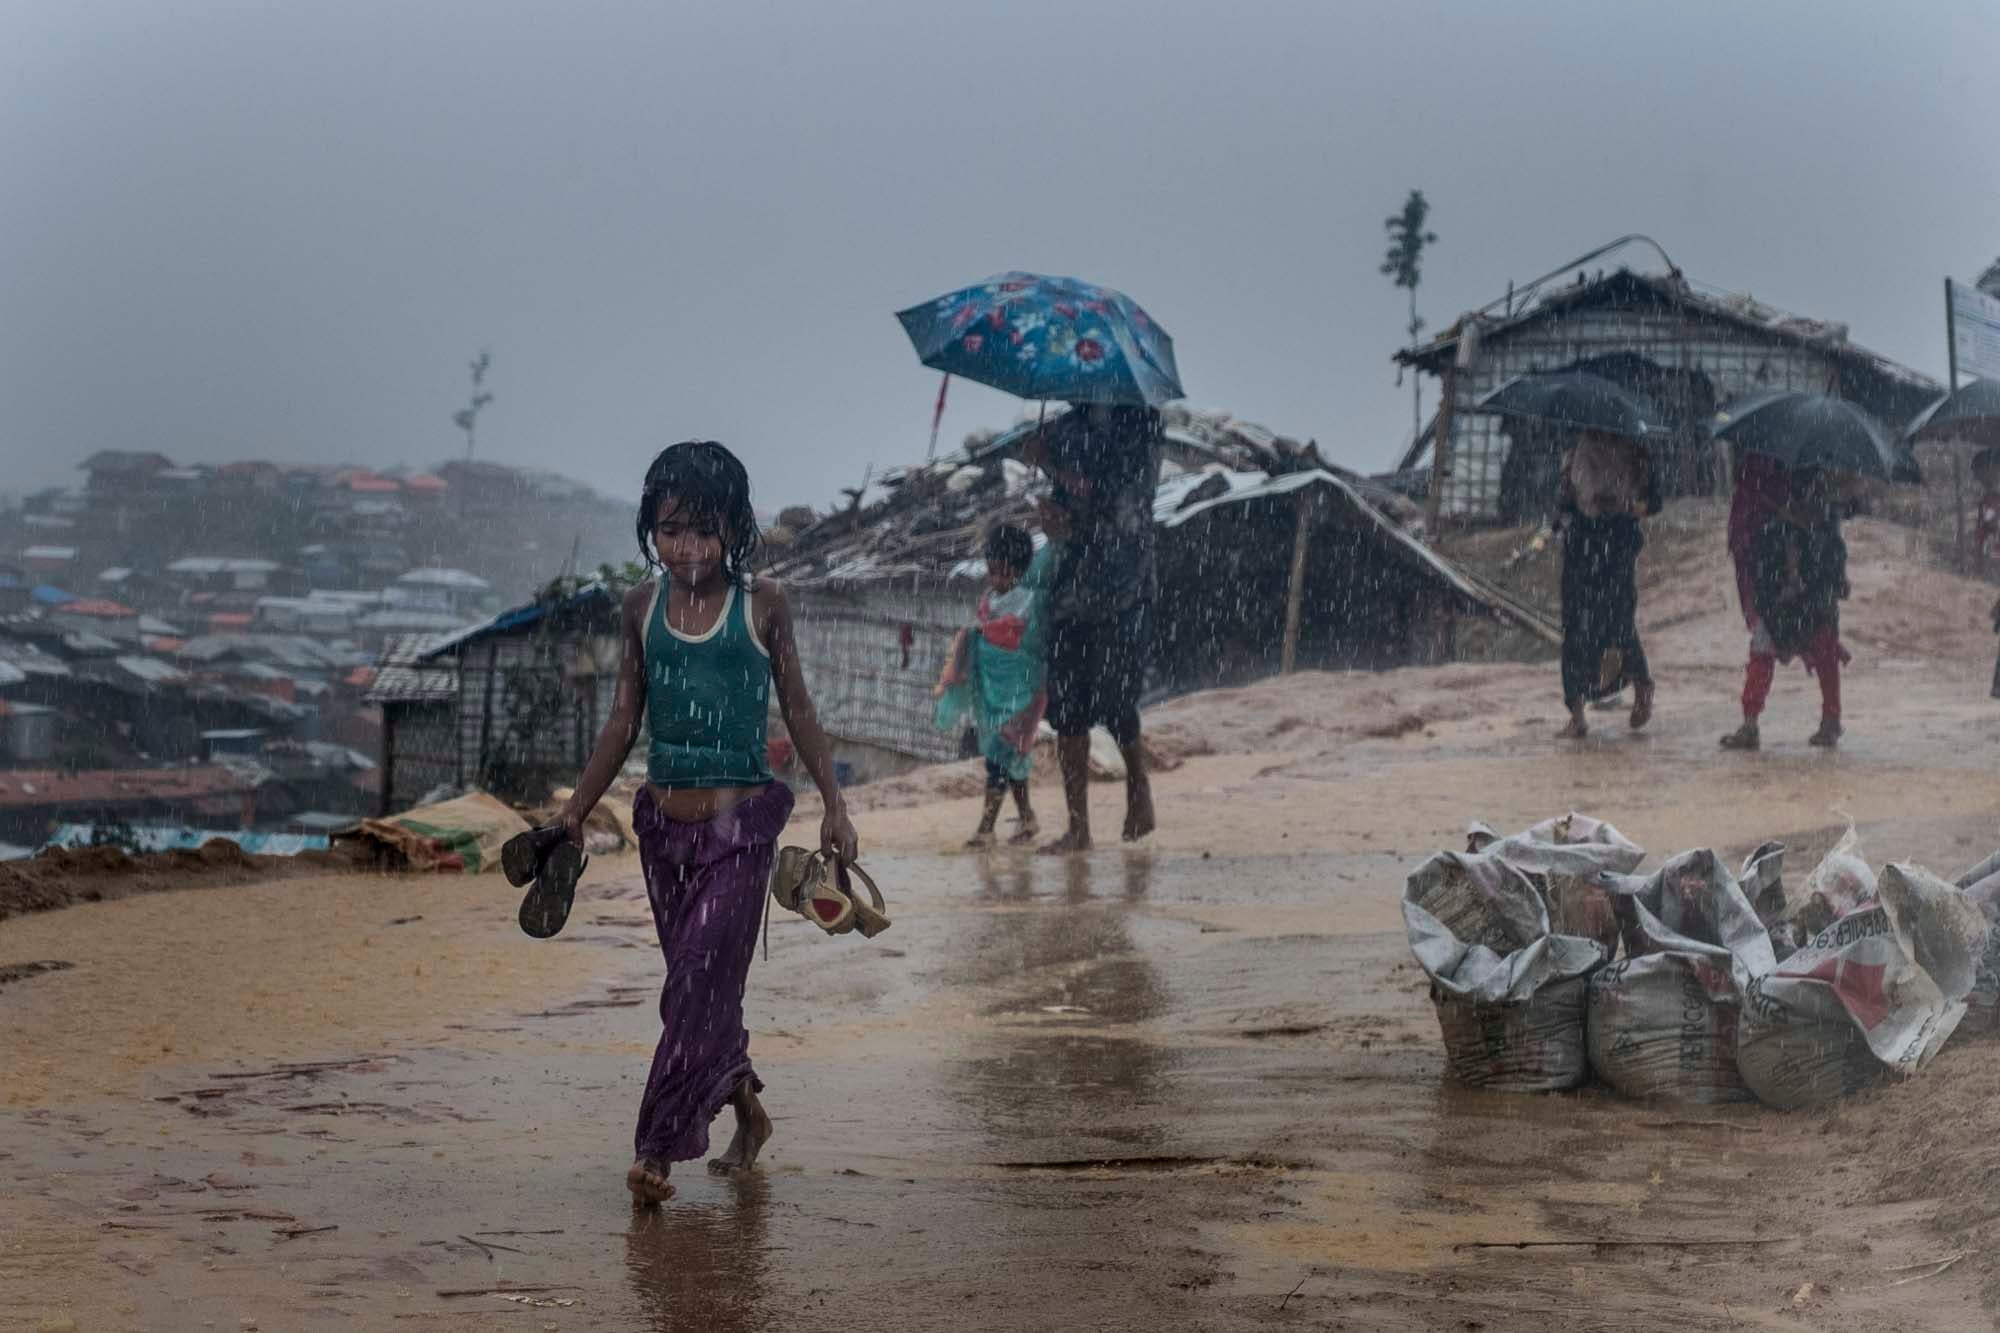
(1975, 330)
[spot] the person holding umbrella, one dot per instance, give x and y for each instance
(1798, 578)
(1065, 340)
(1105, 464)
(1797, 561)
(1606, 485)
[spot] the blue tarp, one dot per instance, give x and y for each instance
(50, 595)
(178, 839)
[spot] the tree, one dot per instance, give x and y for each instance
(467, 417)
(1989, 281)
(1407, 241)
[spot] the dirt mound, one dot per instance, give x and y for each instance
(1904, 607)
(62, 876)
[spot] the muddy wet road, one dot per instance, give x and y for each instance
(1129, 1091)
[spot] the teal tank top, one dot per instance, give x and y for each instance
(708, 698)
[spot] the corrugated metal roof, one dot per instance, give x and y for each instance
(411, 622)
(434, 577)
(32, 660)
(152, 670)
(216, 564)
(401, 678)
(49, 553)
(102, 608)
(23, 788)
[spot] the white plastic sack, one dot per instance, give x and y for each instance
(1499, 979)
(1571, 859)
(1839, 885)
(1762, 880)
(1533, 1046)
(1855, 1002)
(1982, 889)
(1663, 1023)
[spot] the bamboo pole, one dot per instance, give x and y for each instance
(1441, 448)
(1295, 584)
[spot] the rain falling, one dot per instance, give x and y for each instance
(782, 667)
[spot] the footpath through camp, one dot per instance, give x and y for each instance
(1202, 1084)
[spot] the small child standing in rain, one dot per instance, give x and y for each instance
(1798, 577)
(994, 673)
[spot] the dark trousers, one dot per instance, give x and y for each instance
(1600, 606)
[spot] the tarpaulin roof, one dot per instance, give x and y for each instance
(589, 597)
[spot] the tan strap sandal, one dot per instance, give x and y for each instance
(801, 882)
(870, 917)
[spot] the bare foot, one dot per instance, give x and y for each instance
(979, 841)
(648, 1182)
(753, 1131)
(1139, 818)
(1026, 834)
(1642, 707)
(1827, 737)
(1575, 731)
(1073, 841)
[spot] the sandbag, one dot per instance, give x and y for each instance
(1663, 1023)
(1854, 1004)
(457, 836)
(1508, 993)
(1839, 885)
(1981, 885)
(1762, 880)
(1569, 859)
(1533, 1046)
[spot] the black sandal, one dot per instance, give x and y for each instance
(545, 907)
(522, 856)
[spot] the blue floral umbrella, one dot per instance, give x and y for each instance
(1047, 338)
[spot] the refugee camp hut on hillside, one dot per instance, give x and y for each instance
(1269, 559)
(419, 703)
(528, 691)
(1687, 348)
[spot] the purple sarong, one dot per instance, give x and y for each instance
(706, 883)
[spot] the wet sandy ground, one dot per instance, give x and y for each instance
(1193, 1087)
(1062, 1096)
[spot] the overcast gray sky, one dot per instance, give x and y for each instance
(237, 228)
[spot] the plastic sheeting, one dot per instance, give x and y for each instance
(151, 839)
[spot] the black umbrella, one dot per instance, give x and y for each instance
(1812, 430)
(1573, 398)
(1970, 416)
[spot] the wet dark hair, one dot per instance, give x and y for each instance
(1009, 545)
(713, 490)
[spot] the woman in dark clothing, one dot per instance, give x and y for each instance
(1607, 484)
(1105, 463)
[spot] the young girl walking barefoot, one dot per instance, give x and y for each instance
(705, 642)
